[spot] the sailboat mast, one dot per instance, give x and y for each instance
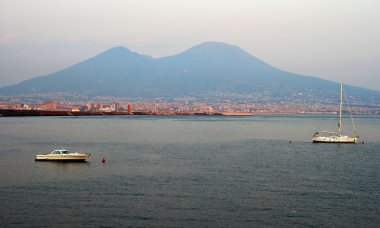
(340, 108)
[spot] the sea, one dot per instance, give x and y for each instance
(189, 171)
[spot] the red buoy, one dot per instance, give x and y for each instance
(103, 160)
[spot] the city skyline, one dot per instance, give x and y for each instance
(336, 40)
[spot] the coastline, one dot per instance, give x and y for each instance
(21, 113)
(26, 113)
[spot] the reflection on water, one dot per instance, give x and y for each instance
(187, 171)
(61, 167)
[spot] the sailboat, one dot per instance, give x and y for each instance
(337, 136)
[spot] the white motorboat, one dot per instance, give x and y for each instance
(337, 136)
(62, 155)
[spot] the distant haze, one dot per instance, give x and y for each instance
(335, 40)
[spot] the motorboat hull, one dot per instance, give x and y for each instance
(49, 157)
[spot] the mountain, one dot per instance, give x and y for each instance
(204, 68)
(103, 74)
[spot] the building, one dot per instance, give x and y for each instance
(46, 106)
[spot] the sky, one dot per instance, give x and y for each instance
(338, 40)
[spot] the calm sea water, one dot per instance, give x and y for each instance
(188, 172)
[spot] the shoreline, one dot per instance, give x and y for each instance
(25, 113)
(21, 113)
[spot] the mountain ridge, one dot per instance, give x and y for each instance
(209, 66)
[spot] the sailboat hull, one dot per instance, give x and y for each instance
(334, 139)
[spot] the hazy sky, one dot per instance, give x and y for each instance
(337, 40)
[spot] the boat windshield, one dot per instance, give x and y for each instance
(60, 152)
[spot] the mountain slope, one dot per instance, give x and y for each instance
(207, 67)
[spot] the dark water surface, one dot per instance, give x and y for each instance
(188, 172)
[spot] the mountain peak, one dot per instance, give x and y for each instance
(119, 50)
(119, 53)
(212, 46)
(220, 52)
